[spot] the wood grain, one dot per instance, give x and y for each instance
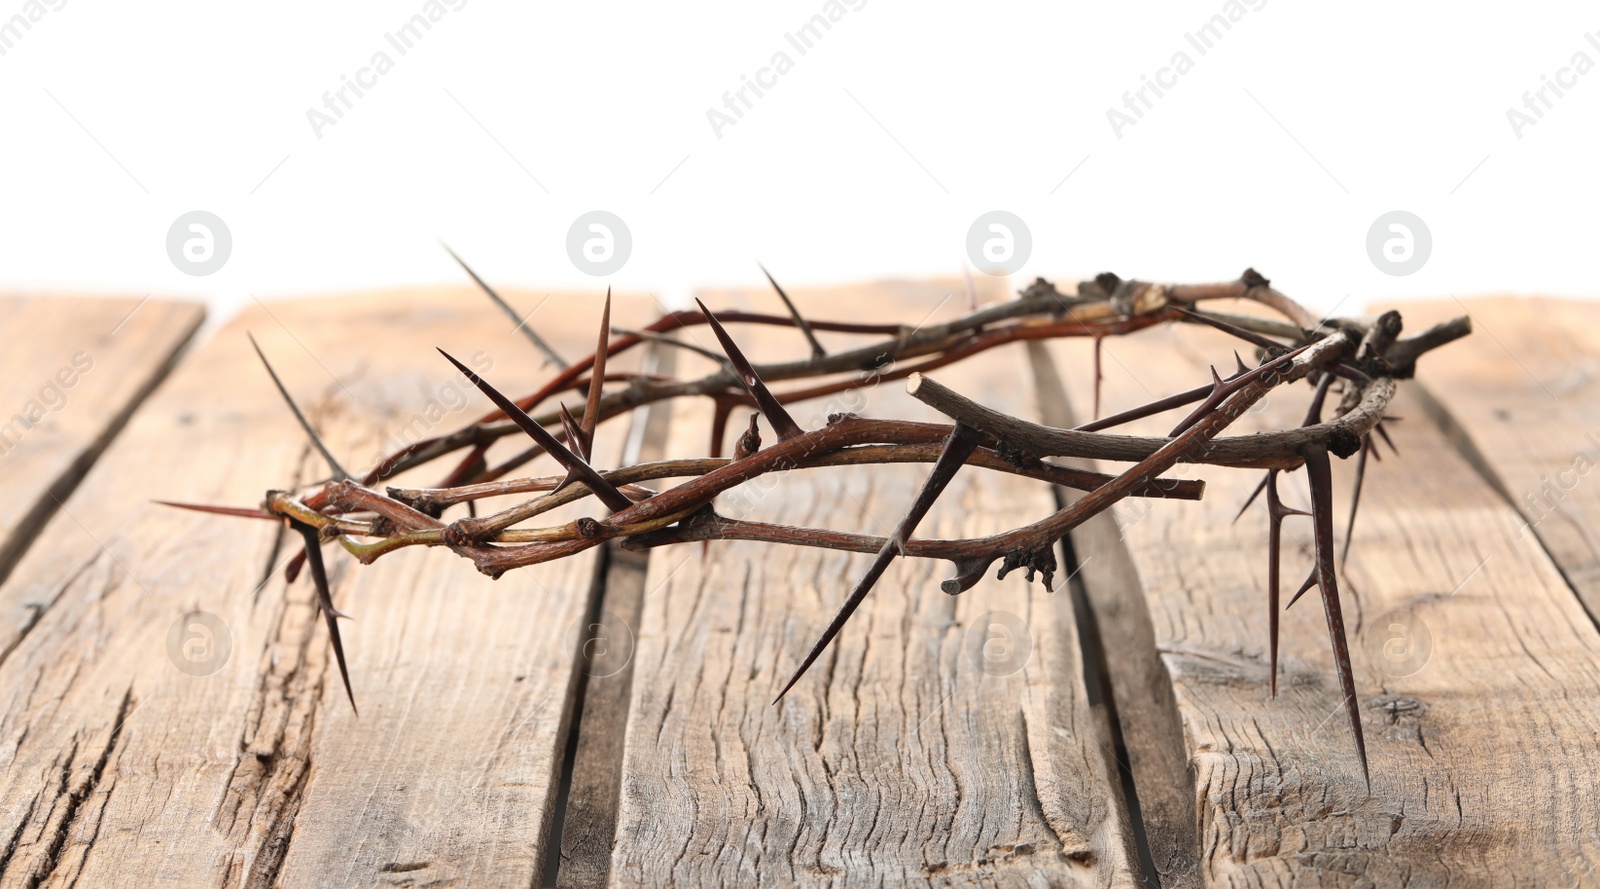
(72, 370)
(1522, 398)
(912, 754)
(590, 817)
(119, 769)
(924, 748)
(1482, 752)
(1148, 725)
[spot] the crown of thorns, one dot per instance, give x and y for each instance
(1363, 357)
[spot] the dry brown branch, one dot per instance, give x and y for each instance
(1367, 355)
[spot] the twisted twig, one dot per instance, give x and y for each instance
(1367, 355)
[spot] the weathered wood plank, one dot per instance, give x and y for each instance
(590, 817)
(1522, 398)
(942, 741)
(71, 372)
(1149, 725)
(1476, 667)
(120, 769)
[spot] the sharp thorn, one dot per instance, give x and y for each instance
(1314, 409)
(1214, 396)
(1384, 434)
(574, 434)
(1355, 497)
(1155, 407)
(668, 341)
(575, 438)
(319, 577)
(958, 447)
(1320, 476)
(1246, 335)
(602, 489)
(1160, 405)
(1311, 581)
(597, 377)
(239, 511)
(880, 563)
(1274, 539)
(338, 471)
(775, 413)
(1260, 486)
(799, 320)
(1220, 389)
(550, 354)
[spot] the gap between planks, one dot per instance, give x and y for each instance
(1495, 727)
(587, 814)
(85, 364)
(120, 768)
(1517, 398)
(828, 783)
(1148, 730)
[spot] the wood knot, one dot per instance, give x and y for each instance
(1397, 708)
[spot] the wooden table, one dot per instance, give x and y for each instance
(172, 716)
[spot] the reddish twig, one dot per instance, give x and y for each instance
(1367, 356)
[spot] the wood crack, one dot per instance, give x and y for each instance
(39, 609)
(273, 767)
(73, 799)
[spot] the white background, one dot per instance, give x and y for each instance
(870, 158)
